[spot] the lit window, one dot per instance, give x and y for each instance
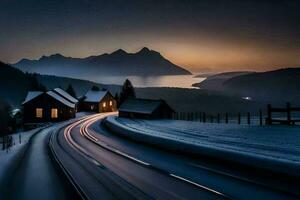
(54, 113)
(110, 103)
(104, 104)
(92, 107)
(39, 112)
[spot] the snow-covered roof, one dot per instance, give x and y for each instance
(145, 106)
(61, 99)
(66, 95)
(31, 95)
(94, 96)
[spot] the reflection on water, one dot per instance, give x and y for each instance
(181, 81)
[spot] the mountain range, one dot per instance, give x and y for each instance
(14, 85)
(277, 86)
(145, 62)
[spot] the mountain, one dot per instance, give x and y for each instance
(278, 86)
(13, 83)
(281, 85)
(215, 82)
(142, 63)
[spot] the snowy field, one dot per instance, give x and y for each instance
(273, 143)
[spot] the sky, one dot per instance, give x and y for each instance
(220, 35)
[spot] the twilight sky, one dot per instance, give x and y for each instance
(218, 34)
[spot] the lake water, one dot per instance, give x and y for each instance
(180, 81)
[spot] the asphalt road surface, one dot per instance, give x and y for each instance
(36, 176)
(102, 165)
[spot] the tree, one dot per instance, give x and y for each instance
(117, 98)
(127, 91)
(34, 84)
(95, 88)
(71, 91)
(5, 121)
(5, 117)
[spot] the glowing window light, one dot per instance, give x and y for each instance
(54, 113)
(39, 113)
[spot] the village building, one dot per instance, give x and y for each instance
(145, 109)
(52, 106)
(98, 101)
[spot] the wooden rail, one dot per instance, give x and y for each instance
(243, 118)
(220, 118)
(288, 110)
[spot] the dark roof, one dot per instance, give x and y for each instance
(61, 99)
(65, 95)
(59, 96)
(145, 106)
(94, 96)
(32, 95)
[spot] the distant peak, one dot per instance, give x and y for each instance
(144, 50)
(24, 60)
(57, 55)
(119, 52)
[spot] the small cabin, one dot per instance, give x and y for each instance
(98, 101)
(52, 106)
(145, 109)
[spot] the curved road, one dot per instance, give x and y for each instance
(36, 176)
(100, 164)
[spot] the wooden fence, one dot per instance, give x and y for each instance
(287, 111)
(285, 116)
(239, 118)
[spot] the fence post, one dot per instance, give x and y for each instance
(269, 118)
(204, 117)
(248, 118)
(239, 118)
(226, 118)
(211, 119)
(260, 118)
(218, 118)
(288, 110)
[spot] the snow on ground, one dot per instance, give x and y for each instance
(275, 142)
(7, 156)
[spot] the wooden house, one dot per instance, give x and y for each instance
(145, 109)
(98, 101)
(52, 106)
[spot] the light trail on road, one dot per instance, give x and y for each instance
(120, 166)
(84, 130)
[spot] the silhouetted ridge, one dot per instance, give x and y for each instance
(145, 62)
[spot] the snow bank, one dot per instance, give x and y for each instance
(10, 157)
(275, 148)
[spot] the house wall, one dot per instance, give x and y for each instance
(46, 102)
(98, 106)
(161, 112)
(89, 106)
(135, 115)
(108, 108)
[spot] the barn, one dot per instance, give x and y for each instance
(145, 109)
(52, 106)
(98, 101)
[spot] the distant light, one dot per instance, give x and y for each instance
(247, 98)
